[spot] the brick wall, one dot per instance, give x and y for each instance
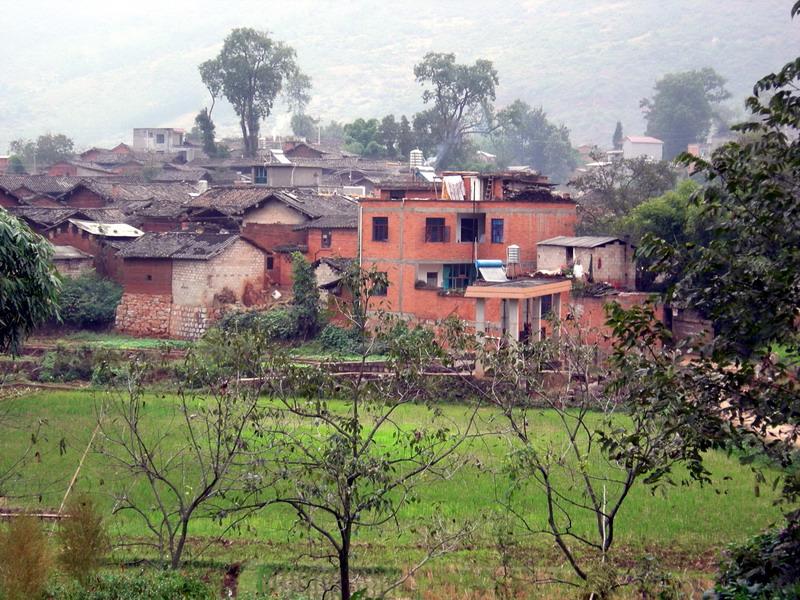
(144, 314)
(612, 263)
(106, 262)
(268, 235)
(344, 243)
(147, 276)
(83, 198)
(73, 267)
(588, 313)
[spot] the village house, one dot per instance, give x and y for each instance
(274, 170)
(174, 282)
(642, 146)
(71, 262)
(596, 258)
(430, 239)
(78, 168)
(282, 221)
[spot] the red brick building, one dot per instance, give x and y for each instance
(428, 246)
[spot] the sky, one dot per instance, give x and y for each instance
(95, 70)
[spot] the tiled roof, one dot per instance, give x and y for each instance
(68, 253)
(582, 241)
(348, 221)
(46, 217)
(42, 184)
(179, 245)
(236, 200)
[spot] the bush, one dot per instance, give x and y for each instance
(24, 559)
(160, 585)
(765, 566)
(67, 363)
(276, 323)
(83, 539)
(340, 339)
(89, 301)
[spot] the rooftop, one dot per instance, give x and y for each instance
(582, 241)
(120, 230)
(179, 245)
(643, 139)
(236, 200)
(68, 253)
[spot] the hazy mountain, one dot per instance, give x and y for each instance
(94, 70)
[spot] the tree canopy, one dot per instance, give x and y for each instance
(682, 108)
(29, 285)
(48, 149)
(526, 136)
(461, 96)
(251, 71)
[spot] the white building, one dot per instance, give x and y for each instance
(638, 146)
(157, 139)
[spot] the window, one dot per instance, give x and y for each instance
(497, 231)
(326, 238)
(380, 229)
(570, 255)
(149, 278)
(379, 289)
(397, 194)
(458, 276)
(547, 305)
(432, 278)
(435, 230)
(270, 263)
(159, 138)
(260, 175)
(469, 229)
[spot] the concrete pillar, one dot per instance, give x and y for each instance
(513, 319)
(480, 314)
(536, 318)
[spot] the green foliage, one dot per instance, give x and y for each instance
(250, 71)
(29, 285)
(83, 539)
(612, 191)
(305, 126)
(15, 165)
(363, 137)
(305, 297)
(339, 339)
(89, 301)
(67, 363)
(461, 96)
(764, 566)
(46, 150)
(25, 559)
(159, 585)
(527, 137)
(682, 108)
(616, 139)
(275, 324)
(206, 126)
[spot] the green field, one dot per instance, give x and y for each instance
(682, 525)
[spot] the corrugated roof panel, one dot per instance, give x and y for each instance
(582, 241)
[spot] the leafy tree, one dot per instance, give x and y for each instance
(297, 92)
(305, 302)
(343, 470)
(250, 71)
(305, 126)
(405, 138)
(389, 134)
(207, 128)
(616, 140)
(609, 192)
(15, 165)
(461, 96)
(48, 149)
(333, 133)
(682, 108)
(89, 301)
(363, 137)
(526, 136)
(29, 285)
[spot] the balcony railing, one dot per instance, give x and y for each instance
(437, 234)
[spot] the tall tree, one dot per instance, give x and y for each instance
(305, 303)
(526, 136)
(251, 71)
(608, 192)
(207, 129)
(388, 135)
(682, 108)
(48, 149)
(616, 140)
(405, 138)
(363, 136)
(29, 285)
(461, 95)
(304, 126)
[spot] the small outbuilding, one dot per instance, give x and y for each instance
(597, 258)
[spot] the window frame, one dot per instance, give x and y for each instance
(326, 238)
(501, 227)
(380, 225)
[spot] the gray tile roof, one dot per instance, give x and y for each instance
(234, 201)
(582, 241)
(179, 245)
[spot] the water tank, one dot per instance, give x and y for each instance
(512, 255)
(416, 158)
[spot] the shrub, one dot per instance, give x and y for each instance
(276, 323)
(83, 539)
(340, 339)
(67, 363)
(89, 301)
(764, 566)
(159, 585)
(25, 559)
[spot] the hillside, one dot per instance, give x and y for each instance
(587, 62)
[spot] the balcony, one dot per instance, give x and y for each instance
(437, 234)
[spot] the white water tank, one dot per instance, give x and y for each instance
(416, 158)
(512, 255)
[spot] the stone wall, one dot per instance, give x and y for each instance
(144, 314)
(189, 322)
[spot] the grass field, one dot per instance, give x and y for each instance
(684, 523)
